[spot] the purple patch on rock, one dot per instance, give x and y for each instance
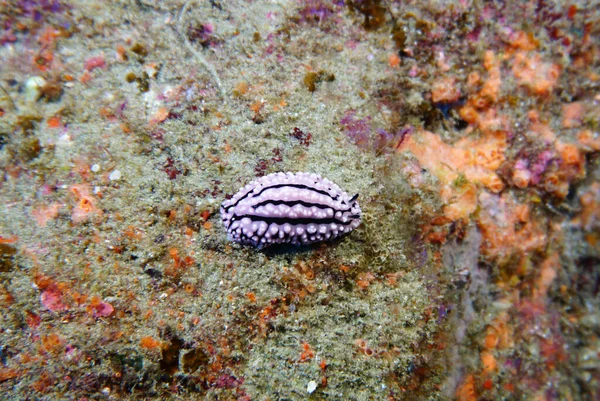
(358, 130)
(289, 208)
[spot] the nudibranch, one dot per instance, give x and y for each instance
(289, 208)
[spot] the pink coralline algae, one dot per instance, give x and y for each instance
(530, 171)
(294, 208)
(94, 62)
(51, 298)
(317, 11)
(228, 381)
(358, 130)
(100, 309)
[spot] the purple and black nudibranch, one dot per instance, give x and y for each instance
(289, 208)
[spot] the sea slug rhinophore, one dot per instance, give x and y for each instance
(289, 208)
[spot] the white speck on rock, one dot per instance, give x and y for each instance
(115, 175)
(311, 387)
(33, 88)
